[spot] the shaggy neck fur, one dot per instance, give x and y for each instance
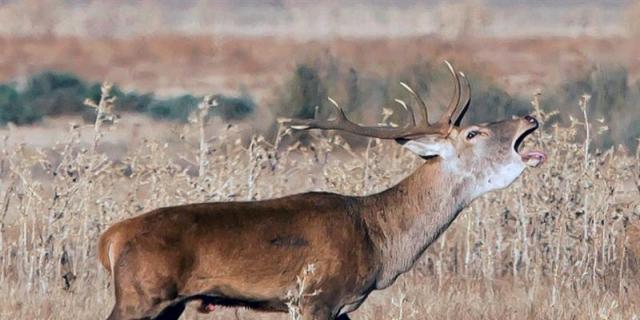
(404, 220)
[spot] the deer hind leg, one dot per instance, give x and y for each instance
(144, 292)
(142, 306)
(171, 312)
(137, 302)
(129, 303)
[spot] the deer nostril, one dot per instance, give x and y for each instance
(531, 120)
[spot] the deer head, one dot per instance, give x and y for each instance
(488, 153)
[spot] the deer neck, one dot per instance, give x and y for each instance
(404, 220)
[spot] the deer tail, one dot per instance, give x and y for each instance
(108, 246)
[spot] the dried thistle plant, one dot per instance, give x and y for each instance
(562, 236)
(104, 111)
(295, 297)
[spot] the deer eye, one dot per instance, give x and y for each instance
(472, 134)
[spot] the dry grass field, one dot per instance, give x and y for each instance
(563, 242)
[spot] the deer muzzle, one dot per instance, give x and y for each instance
(532, 158)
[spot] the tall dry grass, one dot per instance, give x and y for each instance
(561, 243)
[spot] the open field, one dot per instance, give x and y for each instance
(223, 64)
(561, 243)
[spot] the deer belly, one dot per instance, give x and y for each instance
(352, 306)
(240, 280)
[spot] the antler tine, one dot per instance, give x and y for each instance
(416, 95)
(467, 101)
(446, 118)
(406, 108)
(305, 124)
(341, 122)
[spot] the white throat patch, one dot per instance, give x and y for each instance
(500, 178)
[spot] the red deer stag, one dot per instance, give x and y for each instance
(250, 253)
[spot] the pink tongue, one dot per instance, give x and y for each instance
(538, 155)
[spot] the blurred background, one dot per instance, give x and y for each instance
(282, 58)
(102, 118)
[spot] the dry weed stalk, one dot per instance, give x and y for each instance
(295, 297)
(562, 236)
(104, 111)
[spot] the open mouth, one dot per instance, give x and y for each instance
(532, 158)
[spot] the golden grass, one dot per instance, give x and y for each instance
(561, 243)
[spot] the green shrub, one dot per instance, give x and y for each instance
(306, 90)
(132, 102)
(13, 110)
(492, 104)
(173, 108)
(234, 108)
(608, 87)
(52, 94)
(613, 100)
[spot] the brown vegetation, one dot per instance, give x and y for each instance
(204, 65)
(560, 243)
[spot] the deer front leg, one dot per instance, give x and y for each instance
(316, 313)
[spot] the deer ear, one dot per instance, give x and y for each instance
(428, 146)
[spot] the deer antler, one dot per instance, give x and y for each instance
(442, 127)
(467, 102)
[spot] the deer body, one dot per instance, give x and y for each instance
(242, 254)
(250, 253)
(274, 240)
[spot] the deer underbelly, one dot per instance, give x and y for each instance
(210, 301)
(236, 287)
(353, 305)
